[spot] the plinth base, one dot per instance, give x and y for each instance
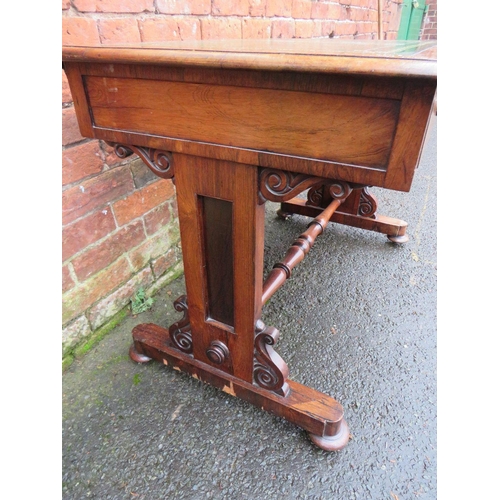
(320, 415)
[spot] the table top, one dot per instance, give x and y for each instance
(323, 55)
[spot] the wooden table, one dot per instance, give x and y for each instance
(239, 123)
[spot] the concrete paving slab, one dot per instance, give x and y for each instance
(357, 321)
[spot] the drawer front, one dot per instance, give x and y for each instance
(353, 130)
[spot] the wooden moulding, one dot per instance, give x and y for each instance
(317, 413)
(387, 58)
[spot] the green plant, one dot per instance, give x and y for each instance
(140, 303)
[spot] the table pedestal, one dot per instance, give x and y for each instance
(221, 338)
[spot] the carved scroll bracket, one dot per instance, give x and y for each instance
(367, 204)
(270, 371)
(364, 203)
(159, 161)
(282, 185)
(180, 332)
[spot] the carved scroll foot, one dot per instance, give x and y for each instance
(335, 442)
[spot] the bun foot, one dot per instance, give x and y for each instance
(284, 215)
(137, 356)
(332, 443)
(398, 239)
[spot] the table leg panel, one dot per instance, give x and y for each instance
(222, 231)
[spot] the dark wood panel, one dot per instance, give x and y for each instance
(218, 239)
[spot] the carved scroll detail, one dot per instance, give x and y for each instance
(315, 195)
(158, 161)
(180, 332)
(367, 204)
(270, 371)
(281, 185)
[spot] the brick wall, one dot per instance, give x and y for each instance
(429, 26)
(120, 227)
(119, 231)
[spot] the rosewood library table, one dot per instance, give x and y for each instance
(237, 123)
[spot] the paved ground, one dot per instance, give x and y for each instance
(357, 321)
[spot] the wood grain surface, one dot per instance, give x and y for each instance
(312, 125)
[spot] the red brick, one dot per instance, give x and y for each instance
(96, 192)
(141, 173)
(283, 28)
(279, 8)
(346, 28)
(361, 14)
(175, 208)
(319, 10)
(157, 218)
(328, 28)
(70, 129)
(79, 31)
(66, 92)
(75, 333)
(304, 28)
(346, 2)
(218, 28)
(150, 249)
(230, 8)
(81, 161)
(189, 28)
(195, 7)
(158, 29)
(364, 36)
(65, 4)
(122, 30)
(117, 300)
(106, 252)
(363, 28)
(143, 200)
(256, 28)
(301, 9)
(316, 28)
(81, 297)
(164, 262)
(110, 158)
(257, 7)
(84, 232)
(345, 13)
(119, 6)
(67, 280)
